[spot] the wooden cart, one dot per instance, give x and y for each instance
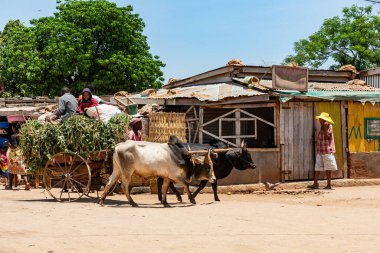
(68, 176)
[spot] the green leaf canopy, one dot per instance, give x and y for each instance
(352, 39)
(85, 42)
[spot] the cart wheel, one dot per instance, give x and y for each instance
(67, 177)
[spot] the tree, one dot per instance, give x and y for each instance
(17, 57)
(353, 39)
(85, 42)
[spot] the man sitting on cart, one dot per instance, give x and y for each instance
(67, 106)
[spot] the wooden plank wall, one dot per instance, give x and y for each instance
(356, 114)
(334, 109)
(296, 138)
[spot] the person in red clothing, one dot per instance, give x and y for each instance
(325, 147)
(135, 133)
(86, 101)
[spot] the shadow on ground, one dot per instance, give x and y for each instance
(115, 203)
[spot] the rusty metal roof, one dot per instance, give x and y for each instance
(208, 92)
(265, 85)
(340, 87)
(241, 71)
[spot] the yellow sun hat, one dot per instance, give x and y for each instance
(326, 117)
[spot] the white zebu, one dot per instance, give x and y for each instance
(170, 161)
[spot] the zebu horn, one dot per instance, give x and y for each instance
(213, 154)
(243, 144)
(209, 155)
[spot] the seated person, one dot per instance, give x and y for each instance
(97, 98)
(86, 101)
(67, 105)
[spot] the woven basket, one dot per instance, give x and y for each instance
(164, 124)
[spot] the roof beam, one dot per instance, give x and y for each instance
(370, 72)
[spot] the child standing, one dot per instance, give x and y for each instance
(135, 133)
(4, 167)
(16, 165)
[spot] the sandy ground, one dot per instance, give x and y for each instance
(342, 220)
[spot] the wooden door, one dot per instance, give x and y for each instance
(297, 145)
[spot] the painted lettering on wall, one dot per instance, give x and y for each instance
(356, 131)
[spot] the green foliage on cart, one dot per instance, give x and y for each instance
(78, 134)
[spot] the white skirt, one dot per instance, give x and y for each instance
(325, 162)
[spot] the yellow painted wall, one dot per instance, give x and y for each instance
(356, 114)
(333, 108)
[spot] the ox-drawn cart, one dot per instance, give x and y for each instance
(69, 176)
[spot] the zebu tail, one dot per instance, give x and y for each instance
(116, 167)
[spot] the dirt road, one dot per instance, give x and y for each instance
(343, 220)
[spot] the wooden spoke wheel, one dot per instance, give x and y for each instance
(67, 177)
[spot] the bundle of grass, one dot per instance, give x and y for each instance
(39, 142)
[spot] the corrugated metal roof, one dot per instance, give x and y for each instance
(340, 87)
(360, 96)
(316, 86)
(231, 71)
(209, 92)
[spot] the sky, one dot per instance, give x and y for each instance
(194, 36)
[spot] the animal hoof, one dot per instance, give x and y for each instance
(217, 199)
(134, 205)
(179, 199)
(101, 203)
(166, 205)
(193, 202)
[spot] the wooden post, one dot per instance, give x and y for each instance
(344, 137)
(277, 138)
(200, 133)
(189, 131)
(238, 128)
